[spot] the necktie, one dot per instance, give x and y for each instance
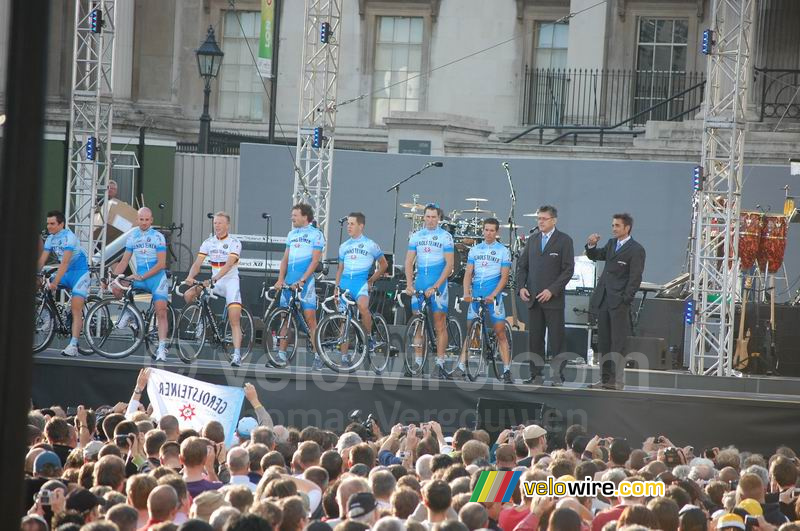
(545, 237)
(619, 244)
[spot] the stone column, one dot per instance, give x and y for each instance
(123, 49)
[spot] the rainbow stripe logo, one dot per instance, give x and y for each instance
(495, 486)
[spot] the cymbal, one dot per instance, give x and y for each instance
(411, 215)
(475, 211)
(478, 199)
(412, 206)
(510, 226)
(530, 215)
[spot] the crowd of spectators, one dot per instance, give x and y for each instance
(116, 468)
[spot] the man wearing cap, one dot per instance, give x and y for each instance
(244, 428)
(535, 438)
(86, 503)
(91, 451)
(362, 507)
(47, 465)
(731, 522)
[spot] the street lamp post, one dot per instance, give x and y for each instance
(209, 59)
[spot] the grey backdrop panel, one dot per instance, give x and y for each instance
(586, 193)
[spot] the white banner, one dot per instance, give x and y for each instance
(194, 402)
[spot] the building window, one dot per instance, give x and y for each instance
(398, 63)
(550, 46)
(660, 65)
(123, 172)
(241, 94)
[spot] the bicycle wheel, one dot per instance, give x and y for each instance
(381, 357)
(280, 326)
(44, 324)
(151, 334)
(341, 344)
(452, 353)
(246, 324)
(114, 328)
(83, 344)
(416, 350)
(496, 359)
(476, 348)
(191, 332)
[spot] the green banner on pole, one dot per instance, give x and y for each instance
(265, 44)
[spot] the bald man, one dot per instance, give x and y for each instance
(149, 248)
(162, 505)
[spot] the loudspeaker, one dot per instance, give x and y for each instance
(576, 339)
(494, 415)
(663, 318)
(653, 348)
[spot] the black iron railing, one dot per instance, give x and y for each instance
(778, 93)
(585, 97)
(626, 126)
(222, 143)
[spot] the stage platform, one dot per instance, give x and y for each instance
(754, 413)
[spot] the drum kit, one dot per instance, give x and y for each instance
(465, 225)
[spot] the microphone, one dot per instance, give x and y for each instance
(504, 164)
(343, 219)
(264, 215)
(437, 163)
(210, 215)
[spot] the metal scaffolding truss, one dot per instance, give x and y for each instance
(316, 125)
(715, 260)
(91, 116)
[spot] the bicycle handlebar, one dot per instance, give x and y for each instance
(272, 289)
(479, 300)
(208, 289)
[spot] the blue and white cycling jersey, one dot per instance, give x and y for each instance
(358, 256)
(65, 240)
(431, 247)
(145, 246)
(488, 262)
(301, 244)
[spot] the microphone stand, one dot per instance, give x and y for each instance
(268, 254)
(341, 224)
(512, 241)
(396, 188)
(512, 226)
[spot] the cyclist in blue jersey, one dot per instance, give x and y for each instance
(72, 273)
(304, 246)
(148, 248)
(356, 259)
(486, 276)
(432, 250)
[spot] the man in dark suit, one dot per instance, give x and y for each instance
(614, 293)
(543, 270)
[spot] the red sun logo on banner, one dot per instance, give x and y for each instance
(187, 412)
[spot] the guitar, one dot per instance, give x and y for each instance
(740, 356)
